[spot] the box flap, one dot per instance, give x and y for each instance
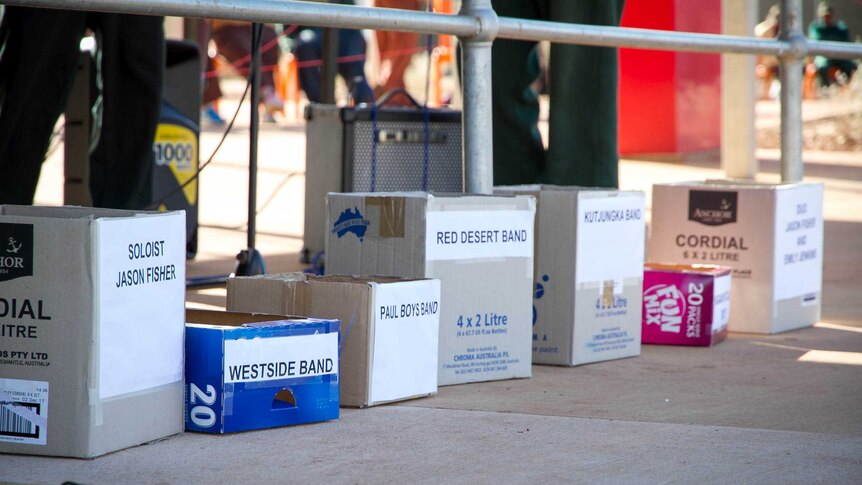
(239, 319)
(710, 269)
(68, 212)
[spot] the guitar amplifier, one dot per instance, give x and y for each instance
(344, 155)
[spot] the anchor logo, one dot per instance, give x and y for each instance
(14, 249)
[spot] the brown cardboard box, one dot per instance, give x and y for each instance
(389, 327)
(91, 329)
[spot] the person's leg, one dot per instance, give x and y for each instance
(395, 59)
(309, 50)
(233, 42)
(519, 154)
(822, 64)
(268, 57)
(211, 91)
(394, 47)
(352, 46)
(582, 145)
(846, 66)
(36, 75)
(132, 68)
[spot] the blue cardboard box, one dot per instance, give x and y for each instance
(249, 371)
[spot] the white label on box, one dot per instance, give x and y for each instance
(610, 243)
(23, 411)
(451, 235)
(141, 270)
(798, 241)
(269, 359)
(406, 329)
(721, 302)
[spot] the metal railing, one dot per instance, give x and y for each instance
(477, 26)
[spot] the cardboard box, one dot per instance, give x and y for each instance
(479, 247)
(770, 235)
(589, 273)
(249, 371)
(685, 304)
(388, 350)
(91, 329)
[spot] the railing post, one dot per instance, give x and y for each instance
(738, 94)
(477, 128)
(791, 91)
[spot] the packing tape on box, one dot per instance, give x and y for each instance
(227, 400)
(96, 414)
(616, 286)
(93, 392)
(392, 215)
(342, 336)
(430, 265)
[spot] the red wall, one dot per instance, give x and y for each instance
(670, 102)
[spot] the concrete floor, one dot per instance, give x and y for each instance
(754, 409)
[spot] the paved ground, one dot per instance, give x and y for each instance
(754, 409)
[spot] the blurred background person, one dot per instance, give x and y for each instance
(396, 50)
(827, 27)
(767, 66)
(232, 41)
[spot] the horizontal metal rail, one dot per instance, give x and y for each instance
(350, 16)
(270, 11)
(512, 28)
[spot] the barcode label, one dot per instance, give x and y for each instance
(14, 424)
(23, 411)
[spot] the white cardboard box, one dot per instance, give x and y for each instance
(589, 273)
(770, 235)
(479, 247)
(388, 349)
(91, 329)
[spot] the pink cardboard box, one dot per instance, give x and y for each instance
(685, 304)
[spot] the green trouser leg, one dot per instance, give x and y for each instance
(582, 145)
(518, 150)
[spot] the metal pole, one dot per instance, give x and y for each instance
(738, 94)
(476, 84)
(791, 91)
(330, 65)
(256, 31)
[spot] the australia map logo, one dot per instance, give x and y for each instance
(350, 221)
